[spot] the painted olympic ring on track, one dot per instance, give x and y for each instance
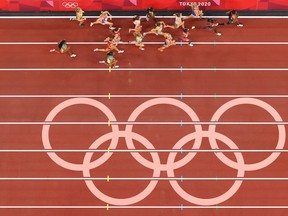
(70, 4)
(89, 164)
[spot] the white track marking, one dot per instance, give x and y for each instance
(130, 17)
(150, 43)
(144, 179)
(180, 123)
(180, 69)
(180, 207)
(141, 151)
(180, 96)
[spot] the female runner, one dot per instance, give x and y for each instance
(196, 12)
(179, 21)
(169, 41)
(110, 46)
(150, 14)
(110, 61)
(157, 30)
(103, 19)
(137, 23)
(64, 48)
(79, 16)
(116, 35)
(233, 18)
(138, 41)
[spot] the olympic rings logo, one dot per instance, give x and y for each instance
(171, 165)
(70, 4)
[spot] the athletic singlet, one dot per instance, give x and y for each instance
(138, 39)
(185, 35)
(104, 19)
(79, 15)
(178, 19)
(168, 41)
(110, 59)
(116, 34)
(159, 29)
(110, 44)
(234, 16)
(63, 48)
(150, 13)
(195, 11)
(136, 22)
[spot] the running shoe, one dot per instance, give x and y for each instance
(95, 49)
(73, 56)
(219, 34)
(121, 51)
(240, 25)
(101, 62)
(191, 44)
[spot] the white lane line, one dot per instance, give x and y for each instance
(180, 69)
(180, 123)
(241, 43)
(150, 43)
(180, 207)
(182, 96)
(141, 151)
(130, 17)
(144, 179)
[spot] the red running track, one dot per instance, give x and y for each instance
(133, 82)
